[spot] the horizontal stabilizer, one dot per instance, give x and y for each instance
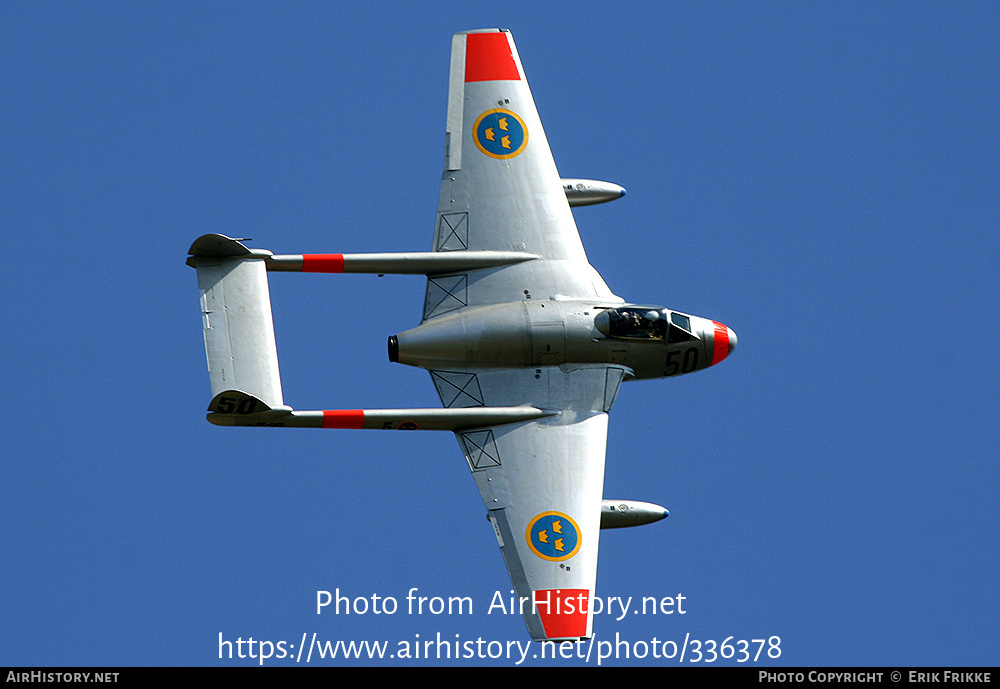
(235, 408)
(236, 317)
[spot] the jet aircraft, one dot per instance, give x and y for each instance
(524, 342)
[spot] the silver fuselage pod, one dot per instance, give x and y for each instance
(651, 341)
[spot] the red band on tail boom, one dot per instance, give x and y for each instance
(343, 418)
(323, 263)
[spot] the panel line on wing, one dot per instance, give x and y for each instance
(480, 449)
(445, 293)
(453, 231)
(458, 389)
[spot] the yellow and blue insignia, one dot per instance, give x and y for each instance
(553, 536)
(500, 133)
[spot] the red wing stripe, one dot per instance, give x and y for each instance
(343, 418)
(323, 263)
(563, 611)
(488, 58)
(721, 350)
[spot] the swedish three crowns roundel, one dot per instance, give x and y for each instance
(500, 133)
(553, 536)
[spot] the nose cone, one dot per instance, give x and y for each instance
(724, 342)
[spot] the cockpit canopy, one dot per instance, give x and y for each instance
(645, 323)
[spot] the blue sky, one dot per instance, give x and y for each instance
(822, 178)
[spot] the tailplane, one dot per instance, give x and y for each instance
(236, 317)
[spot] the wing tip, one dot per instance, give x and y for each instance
(489, 56)
(565, 614)
(489, 30)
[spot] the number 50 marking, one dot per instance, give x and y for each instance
(228, 405)
(688, 362)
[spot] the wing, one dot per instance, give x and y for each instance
(541, 480)
(500, 190)
(542, 484)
